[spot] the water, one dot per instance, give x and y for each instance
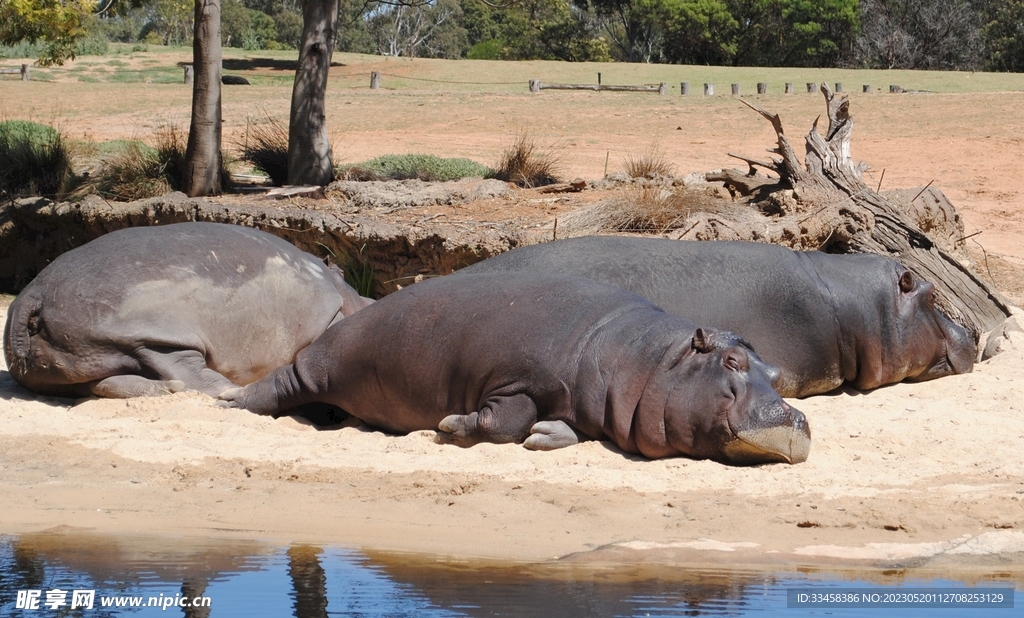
(245, 578)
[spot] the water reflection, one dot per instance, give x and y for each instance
(248, 578)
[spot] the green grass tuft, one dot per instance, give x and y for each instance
(410, 166)
(34, 160)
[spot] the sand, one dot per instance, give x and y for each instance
(911, 474)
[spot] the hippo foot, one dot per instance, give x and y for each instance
(551, 435)
(245, 397)
(457, 429)
(123, 387)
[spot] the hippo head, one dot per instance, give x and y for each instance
(920, 343)
(717, 402)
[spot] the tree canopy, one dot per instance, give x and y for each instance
(888, 34)
(59, 24)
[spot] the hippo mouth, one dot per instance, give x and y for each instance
(771, 442)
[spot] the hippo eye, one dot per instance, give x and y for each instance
(906, 282)
(733, 362)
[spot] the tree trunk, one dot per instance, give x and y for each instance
(309, 149)
(864, 221)
(201, 175)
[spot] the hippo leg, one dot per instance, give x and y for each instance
(503, 419)
(188, 366)
(123, 387)
(551, 435)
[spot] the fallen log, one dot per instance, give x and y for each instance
(829, 184)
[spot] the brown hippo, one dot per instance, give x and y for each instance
(822, 319)
(150, 310)
(544, 359)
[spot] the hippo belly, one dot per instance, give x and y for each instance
(545, 360)
(201, 306)
(822, 319)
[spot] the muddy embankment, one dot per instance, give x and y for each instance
(346, 229)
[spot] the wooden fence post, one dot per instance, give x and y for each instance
(24, 72)
(374, 80)
(735, 90)
(894, 89)
(663, 88)
(534, 85)
(684, 88)
(762, 88)
(812, 87)
(189, 75)
(866, 88)
(789, 87)
(709, 89)
(839, 86)
(598, 78)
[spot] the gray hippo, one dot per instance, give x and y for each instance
(150, 310)
(544, 359)
(822, 319)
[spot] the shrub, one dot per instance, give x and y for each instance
(405, 167)
(266, 147)
(523, 165)
(34, 160)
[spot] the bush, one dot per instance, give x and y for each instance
(422, 167)
(34, 160)
(523, 165)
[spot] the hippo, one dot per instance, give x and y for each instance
(152, 310)
(543, 360)
(822, 319)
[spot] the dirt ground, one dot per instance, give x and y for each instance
(911, 475)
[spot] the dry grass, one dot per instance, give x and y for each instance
(135, 170)
(523, 164)
(649, 210)
(265, 145)
(651, 163)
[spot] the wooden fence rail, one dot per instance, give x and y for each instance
(23, 71)
(536, 86)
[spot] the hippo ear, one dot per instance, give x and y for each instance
(701, 342)
(907, 282)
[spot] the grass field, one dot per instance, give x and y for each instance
(156, 64)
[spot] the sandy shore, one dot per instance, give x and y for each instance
(912, 474)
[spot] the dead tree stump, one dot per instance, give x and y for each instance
(845, 215)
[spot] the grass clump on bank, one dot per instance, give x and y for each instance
(34, 160)
(651, 163)
(266, 148)
(132, 170)
(414, 166)
(523, 164)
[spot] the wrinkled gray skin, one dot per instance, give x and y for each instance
(822, 319)
(543, 359)
(151, 310)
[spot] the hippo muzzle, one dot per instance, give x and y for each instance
(771, 432)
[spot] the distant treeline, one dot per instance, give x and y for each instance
(876, 34)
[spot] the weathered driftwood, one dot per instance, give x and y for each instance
(829, 186)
